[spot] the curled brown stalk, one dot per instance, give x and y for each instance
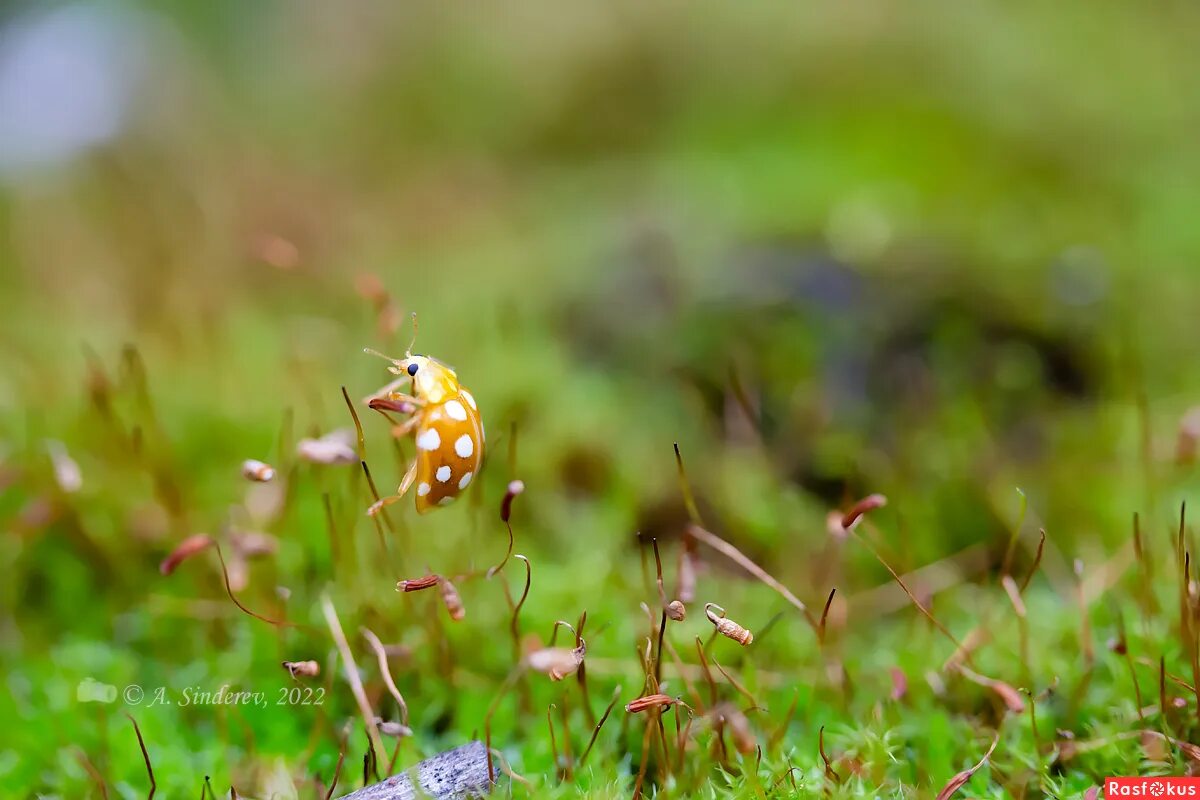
(145, 756)
(830, 772)
(512, 678)
(93, 773)
(596, 730)
(558, 762)
(331, 530)
(351, 673)
(581, 673)
(1010, 696)
(1037, 559)
(561, 623)
(662, 602)
(514, 488)
(685, 487)
(900, 581)
(825, 615)
(229, 590)
(379, 509)
(728, 550)
(385, 670)
(358, 429)
(712, 684)
(742, 690)
(777, 737)
(507, 769)
(337, 771)
(513, 626)
(641, 777)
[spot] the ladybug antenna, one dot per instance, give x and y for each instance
(407, 354)
(370, 351)
(412, 343)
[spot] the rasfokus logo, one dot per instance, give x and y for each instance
(1151, 787)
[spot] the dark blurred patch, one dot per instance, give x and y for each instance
(666, 518)
(443, 721)
(631, 298)
(982, 336)
(598, 115)
(822, 349)
(834, 489)
(585, 471)
(797, 274)
(966, 517)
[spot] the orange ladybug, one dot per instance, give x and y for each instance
(446, 425)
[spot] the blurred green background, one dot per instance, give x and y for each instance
(941, 251)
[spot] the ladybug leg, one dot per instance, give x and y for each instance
(383, 391)
(403, 429)
(405, 483)
(402, 404)
(391, 393)
(400, 399)
(381, 504)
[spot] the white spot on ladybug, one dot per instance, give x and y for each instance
(464, 480)
(455, 410)
(470, 400)
(423, 490)
(445, 501)
(464, 446)
(443, 473)
(429, 440)
(435, 415)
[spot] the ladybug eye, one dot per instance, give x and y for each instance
(412, 369)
